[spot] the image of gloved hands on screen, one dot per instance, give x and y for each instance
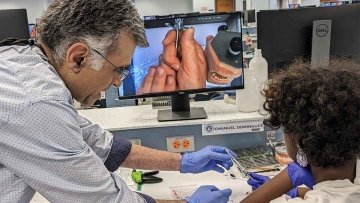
(183, 72)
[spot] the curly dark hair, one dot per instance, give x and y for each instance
(98, 22)
(319, 108)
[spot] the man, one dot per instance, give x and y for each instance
(85, 46)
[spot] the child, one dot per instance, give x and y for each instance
(319, 111)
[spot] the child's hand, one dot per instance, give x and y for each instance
(256, 180)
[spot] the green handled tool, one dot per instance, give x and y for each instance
(147, 177)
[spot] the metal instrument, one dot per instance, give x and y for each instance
(244, 173)
(178, 27)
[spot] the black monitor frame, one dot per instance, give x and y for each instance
(14, 24)
(284, 35)
(180, 99)
(249, 16)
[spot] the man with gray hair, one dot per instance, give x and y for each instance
(84, 47)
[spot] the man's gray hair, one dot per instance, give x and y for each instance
(98, 23)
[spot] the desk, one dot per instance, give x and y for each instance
(140, 117)
(141, 122)
(161, 190)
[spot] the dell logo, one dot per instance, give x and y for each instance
(322, 30)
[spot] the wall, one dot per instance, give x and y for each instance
(161, 7)
(239, 5)
(203, 6)
(310, 2)
(260, 5)
(35, 8)
(274, 4)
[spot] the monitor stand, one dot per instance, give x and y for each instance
(180, 110)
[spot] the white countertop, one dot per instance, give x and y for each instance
(187, 183)
(171, 180)
(174, 179)
(138, 117)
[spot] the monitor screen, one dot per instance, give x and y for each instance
(14, 24)
(225, 27)
(156, 30)
(284, 36)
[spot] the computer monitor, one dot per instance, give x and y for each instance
(249, 16)
(284, 35)
(14, 24)
(156, 29)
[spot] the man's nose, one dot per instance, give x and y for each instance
(116, 82)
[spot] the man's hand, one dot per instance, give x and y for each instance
(158, 79)
(206, 159)
(300, 175)
(190, 62)
(209, 194)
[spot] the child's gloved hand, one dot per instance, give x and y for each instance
(293, 192)
(300, 175)
(256, 180)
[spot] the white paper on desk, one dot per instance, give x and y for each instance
(182, 192)
(125, 174)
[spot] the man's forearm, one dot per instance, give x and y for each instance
(276, 187)
(146, 158)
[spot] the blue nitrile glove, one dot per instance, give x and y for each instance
(209, 194)
(300, 175)
(206, 159)
(293, 192)
(256, 180)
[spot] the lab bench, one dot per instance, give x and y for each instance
(140, 122)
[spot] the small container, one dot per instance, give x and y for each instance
(248, 99)
(259, 67)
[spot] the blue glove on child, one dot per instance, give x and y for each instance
(293, 192)
(257, 180)
(209, 194)
(206, 159)
(300, 175)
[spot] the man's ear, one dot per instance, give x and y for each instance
(76, 56)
